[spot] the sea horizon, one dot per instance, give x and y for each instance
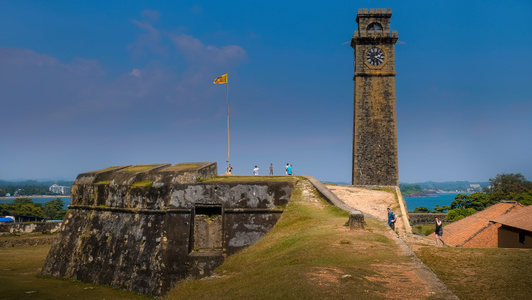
(429, 202)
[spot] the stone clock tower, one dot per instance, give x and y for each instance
(375, 159)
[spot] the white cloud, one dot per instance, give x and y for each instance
(150, 40)
(135, 72)
(195, 51)
(24, 57)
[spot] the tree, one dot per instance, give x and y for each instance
(478, 201)
(23, 207)
(61, 214)
(408, 189)
(22, 201)
(422, 210)
(30, 210)
(460, 201)
(523, 198)
(51, 208)
(509, 183)
(441, 209)
(459, 213)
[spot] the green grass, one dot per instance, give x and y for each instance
(482, 273)
(19, 267)
(309, 254)
(251, 178)
(423, 229)
(103, 182)
(146, 183)
(185, 166)
(141, 168)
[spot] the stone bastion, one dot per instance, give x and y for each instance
(144, 228)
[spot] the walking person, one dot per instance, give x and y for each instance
(438, 231)
(289, 170)
(392, 218)
(256, 170)
(271, 169)
(286, 168)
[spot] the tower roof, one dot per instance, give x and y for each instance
(374, 12)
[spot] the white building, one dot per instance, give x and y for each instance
(57, 189)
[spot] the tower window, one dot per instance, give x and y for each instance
(375, 27)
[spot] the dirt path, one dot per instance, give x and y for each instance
(410, 280)
(370, 202)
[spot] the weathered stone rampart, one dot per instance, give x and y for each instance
(145, 228)
(45, 227)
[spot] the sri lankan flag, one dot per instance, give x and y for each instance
(221, 79)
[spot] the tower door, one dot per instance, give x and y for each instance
(208, 229)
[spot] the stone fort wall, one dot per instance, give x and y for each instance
(145, 228)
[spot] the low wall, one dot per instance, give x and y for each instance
(16, 242)
(46, 227)
(426, 219)
(356, 217)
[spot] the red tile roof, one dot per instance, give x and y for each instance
(521, 218)
(474, 231)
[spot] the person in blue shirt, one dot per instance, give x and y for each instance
(289, 170)
(392, 218)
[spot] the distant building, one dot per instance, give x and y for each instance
(474, 187)
(57, 189)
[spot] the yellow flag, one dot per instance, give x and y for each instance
(221, 79)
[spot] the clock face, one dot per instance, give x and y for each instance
(375, 56)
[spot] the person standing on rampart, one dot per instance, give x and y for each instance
(289, 170)
(256, 170)
(438, 231)
(392, 218)
(271, 169)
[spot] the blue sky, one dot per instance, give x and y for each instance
(85, 85)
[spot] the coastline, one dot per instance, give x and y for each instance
(36, 196)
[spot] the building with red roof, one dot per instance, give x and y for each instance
(515, 228)
(480, 229)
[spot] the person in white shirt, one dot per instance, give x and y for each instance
(256, 170)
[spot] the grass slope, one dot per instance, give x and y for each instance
(19, 267)
(309, 254)
(482, 273)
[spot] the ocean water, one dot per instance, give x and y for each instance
(411, 202)
(38, 200)
(431, 201)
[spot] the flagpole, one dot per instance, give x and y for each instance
(227, 97)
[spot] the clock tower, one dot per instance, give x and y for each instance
(375, 159)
